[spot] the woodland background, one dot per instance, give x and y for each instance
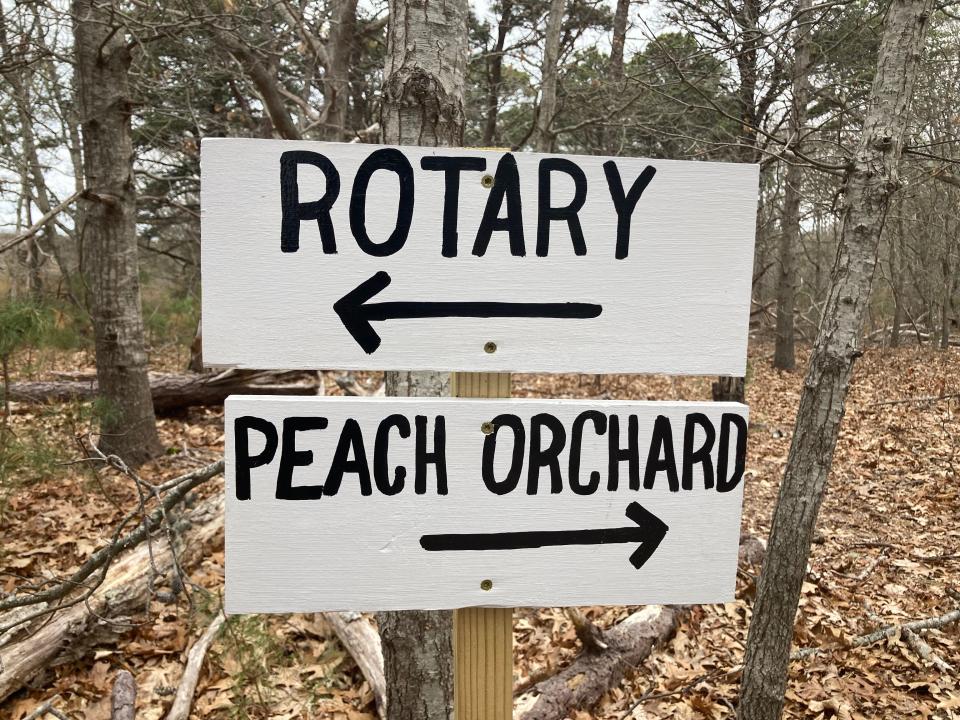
(108, 413)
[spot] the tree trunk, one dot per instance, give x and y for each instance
(548, 89)
(20, 85)
(422, 104)
(495, 74)
(784, 354)
(108, 233)
(336, 82)
(729, 389)
(615, 70)
(871, 181)
(733, 389)
(895, 281)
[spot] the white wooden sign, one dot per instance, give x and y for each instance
(369, 257)
(400, 503)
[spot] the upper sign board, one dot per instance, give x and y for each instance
(400, 503)
(368, 257)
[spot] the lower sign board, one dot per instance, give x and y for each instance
(402, 503)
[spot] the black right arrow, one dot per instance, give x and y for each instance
(649, 531)
(356, 312)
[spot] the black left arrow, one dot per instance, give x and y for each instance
(356, 312)
(649, 531)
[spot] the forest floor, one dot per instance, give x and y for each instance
(887, 550)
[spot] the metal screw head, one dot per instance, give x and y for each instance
(487, 181)
(486, 584)
(490, 347)
(487, 428)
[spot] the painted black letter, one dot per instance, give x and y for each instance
(723, 483)
(351, 440)
(383, 159)
(662, 440)
(617, 455)
(452, 167)
(701, 455)
(290, 458)
(381, 473)
(576, 443)
(546, 213)
(438, 457)
(241, 444)
(545, 457)
(490, 450)
(506, 182)
(625, 204)
(293, 211)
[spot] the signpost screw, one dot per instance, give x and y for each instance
(487, 181)
(486, 584)
(486, 428)
(490, 347)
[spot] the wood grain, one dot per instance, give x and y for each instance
(482, 637)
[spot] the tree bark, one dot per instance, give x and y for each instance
(423, 80)
(108, 233)
(784, 354)
(548, 88)
(422, 104)
(871, 181)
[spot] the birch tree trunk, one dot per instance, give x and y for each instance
(747, 18)
(871, 181)
(107, 236)
(422, 104)
(784, 354)
(548, 89)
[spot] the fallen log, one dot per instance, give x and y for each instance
(132, 581)
(582, 683)
(171, 391)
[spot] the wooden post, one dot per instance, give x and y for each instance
(482, 637)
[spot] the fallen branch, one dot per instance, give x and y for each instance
(921, 648)
(183, 701)
(177, 490)
(876, 636)
(362, 641)
(171, 392)
(586, 679)
(921, 399)
(67, 631)
(47, 708)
